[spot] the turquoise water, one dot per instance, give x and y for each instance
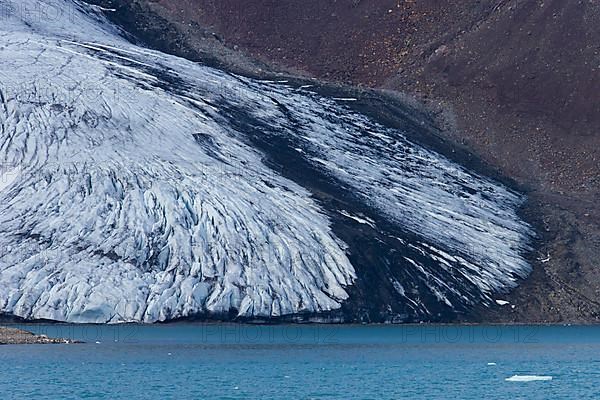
(199, 361)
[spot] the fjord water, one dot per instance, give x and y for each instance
(216, 361)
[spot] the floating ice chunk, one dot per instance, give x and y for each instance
(491, 364)
(528, 378)
(502, 302)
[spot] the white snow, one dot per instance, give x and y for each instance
(363, 221)
(471, 217)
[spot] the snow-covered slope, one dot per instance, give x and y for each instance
(134, 187)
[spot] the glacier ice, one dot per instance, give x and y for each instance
(132, 188)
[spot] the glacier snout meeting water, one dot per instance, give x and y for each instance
(138, 186)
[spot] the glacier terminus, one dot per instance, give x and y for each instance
(137, 186)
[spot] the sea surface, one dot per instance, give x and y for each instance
(228, 361)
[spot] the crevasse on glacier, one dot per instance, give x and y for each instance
(137, 186)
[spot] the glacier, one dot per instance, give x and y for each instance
(139, 186)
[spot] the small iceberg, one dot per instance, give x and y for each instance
(502, 302)
(491, 364)
(528, 378)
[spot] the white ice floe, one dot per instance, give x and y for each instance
(502, 302)
(528, 378)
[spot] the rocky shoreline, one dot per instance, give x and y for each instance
(19, 336)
